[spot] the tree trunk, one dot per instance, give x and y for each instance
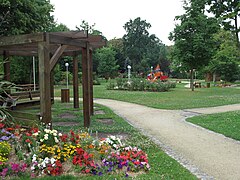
(191, 80)
(236, 30)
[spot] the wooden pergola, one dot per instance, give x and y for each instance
(49, 47)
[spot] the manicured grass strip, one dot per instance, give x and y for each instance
(227, 124)
(177, 98)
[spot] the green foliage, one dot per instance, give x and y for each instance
(193, 37)
(24, 16)
(226, 60)
(107, 63)
(21, 70)
(142, 49)
(227, 11)
(117, 46)
(139, 84)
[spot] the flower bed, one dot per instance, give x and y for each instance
(139, 84)
(41, 152)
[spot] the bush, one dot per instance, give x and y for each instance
(139, 84)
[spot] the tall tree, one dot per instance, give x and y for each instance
(135, 41)
(226, 60)
(117, 46)
(24, 16)
(227, 11)
(193, 37)
(107, 67)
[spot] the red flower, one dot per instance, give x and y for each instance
(2, 125)
(28, 141)
(9, 129)
(64, 137)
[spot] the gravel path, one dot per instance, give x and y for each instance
(206, 154)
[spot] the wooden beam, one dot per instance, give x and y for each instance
(75, 82)
(6, 66)
(21, 39)
(56, 56)
(71, 34)
(44, 82)
(90, 82)
(85, 84)
(55, 39)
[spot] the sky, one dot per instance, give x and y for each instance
(109, 16)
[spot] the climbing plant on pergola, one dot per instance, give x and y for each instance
(49, 47)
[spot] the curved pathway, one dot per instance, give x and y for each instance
(206, 154)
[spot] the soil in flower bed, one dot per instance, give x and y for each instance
(68, 123)
(107, 121)
(67, 116)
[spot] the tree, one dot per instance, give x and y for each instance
(24, 16)
(226, 60)
(136, 40)
(193, 37)
(85, 26)
(117, 46)
(227, 11)
(107, 67)
(142, 49)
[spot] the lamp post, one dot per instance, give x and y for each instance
(129, 72)
(67, 64)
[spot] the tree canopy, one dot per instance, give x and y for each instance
(227, 11)
(141, 48)
(193, 37)
(227, 57)
(24, 16)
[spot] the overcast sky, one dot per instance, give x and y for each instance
(110, 16)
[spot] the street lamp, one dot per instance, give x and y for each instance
(129, 72)
(67, 64)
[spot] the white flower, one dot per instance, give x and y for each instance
(47, 130)
(41, 140)
(35, 134)
(32, 167)
(60, 134)
(54, 131)
(34, 158)
(46, 137)
(56, 140)
(54, 134)
(52, 160)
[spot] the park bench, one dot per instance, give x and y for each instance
(197, 84)
(21, 99)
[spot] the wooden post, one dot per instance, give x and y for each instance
(75, 82)
(44, 81)
(52, 86)
(91, 82)
(6, 65)
(85, 84)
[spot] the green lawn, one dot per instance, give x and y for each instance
(178, 98)
(227, 124)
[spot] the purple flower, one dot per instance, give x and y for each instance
(126, 175)
(100, 173)
(4, 138)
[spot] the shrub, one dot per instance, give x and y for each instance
(139, 84)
